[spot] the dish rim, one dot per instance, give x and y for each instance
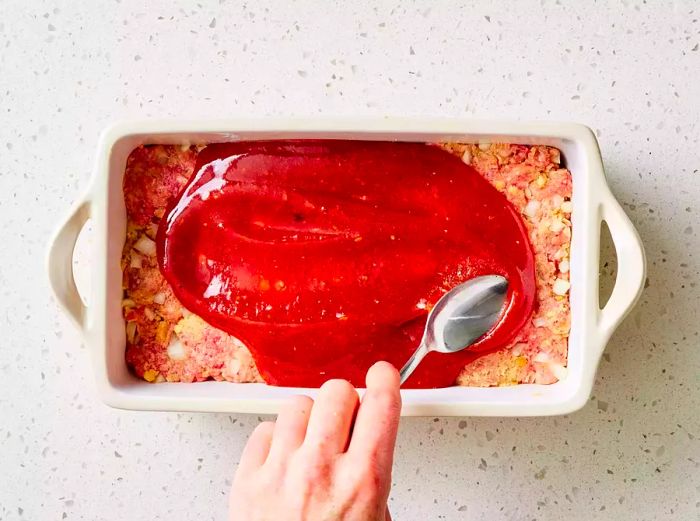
(591, 327)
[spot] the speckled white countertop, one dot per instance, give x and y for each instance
(629, 69)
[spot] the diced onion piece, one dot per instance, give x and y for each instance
(131, 331)
(152, 230)
(484, 146)
(539, 322)
(234, 366)
(150, 315)
(561, 287)
(136, 260)
(564, 266)
(558, 370)
(561, 253)
(467, 156)
(159, 298)
(176, 351)
(531, 208)
(146, 246)
(556, 225)
(541, 357)
(557, 201)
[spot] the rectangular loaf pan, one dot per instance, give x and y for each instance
(102, 324)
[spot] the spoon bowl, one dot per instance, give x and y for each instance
(461, 316)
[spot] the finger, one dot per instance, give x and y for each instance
(256, 450)
(377, 423)
(331, 417)
(290, 427)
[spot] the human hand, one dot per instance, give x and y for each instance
(323, 460)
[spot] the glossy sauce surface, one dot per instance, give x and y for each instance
(325, 256)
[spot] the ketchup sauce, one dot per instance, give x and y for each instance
(325, 256)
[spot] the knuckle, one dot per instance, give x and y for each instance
(314, 467)
(368, 486)
(311, 459)
(371, 472)
(268, 480)
(368, 470)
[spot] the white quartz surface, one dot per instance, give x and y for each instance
(629, 69)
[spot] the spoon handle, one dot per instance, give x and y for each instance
(410, 366)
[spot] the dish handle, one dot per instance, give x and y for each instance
(59, 262)
(631, 267)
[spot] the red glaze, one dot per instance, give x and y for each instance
(325, 256)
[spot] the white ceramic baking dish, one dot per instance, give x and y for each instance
(103, 327)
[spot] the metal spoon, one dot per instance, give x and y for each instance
(460, 317)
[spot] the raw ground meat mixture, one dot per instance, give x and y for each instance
(165, 342)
